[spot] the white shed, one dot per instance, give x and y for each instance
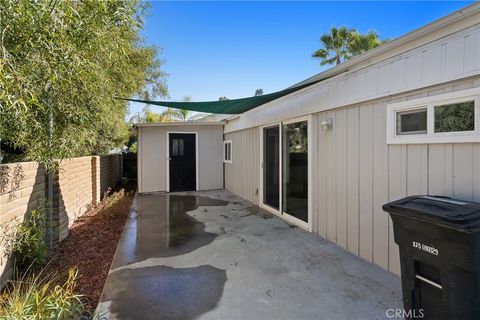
(177, 156)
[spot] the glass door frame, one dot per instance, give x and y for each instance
(280, 213)
(262, 173)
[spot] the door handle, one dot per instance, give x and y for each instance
(169, 159)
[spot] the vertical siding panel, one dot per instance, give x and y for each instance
(472, 51)
(253, 145)
(380, 186)
(449, 173)
(331, 202)
(243, 156)
(249, 170)
(463, 168)
(238, 164)
(341, 175)
(235, 163)
(397, 187)
(322, 179)
(417, 169)
(365, 183)
(352, 179)
(436, 169)
(314, 173)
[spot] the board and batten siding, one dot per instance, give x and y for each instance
(153, 156)
(355, 172)
(242, 175)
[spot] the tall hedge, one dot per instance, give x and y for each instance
(62, 63)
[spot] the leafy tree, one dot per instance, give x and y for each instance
(62, 63)
(362, 43)
(341, 44)
(258, 92)
(335, 46)
(222, 98)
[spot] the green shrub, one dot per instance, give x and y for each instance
(116, 204)
(133, 148)
(26, 243)
(39, 298)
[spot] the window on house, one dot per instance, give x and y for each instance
(445, 118)
(227, 151)
(455, 117)
(412, 122)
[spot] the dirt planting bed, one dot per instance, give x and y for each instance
(91, 244)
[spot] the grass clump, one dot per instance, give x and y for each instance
(26, 242)
(115, 204)
(39, 298)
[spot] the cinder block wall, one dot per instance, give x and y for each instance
(79, 183)
(22, 188)
(74, 191)
(110, 171)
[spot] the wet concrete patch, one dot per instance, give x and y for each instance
(161, 292)
(257, 211)
(182, 258)
(163, 228)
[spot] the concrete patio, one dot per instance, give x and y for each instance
(213, 255)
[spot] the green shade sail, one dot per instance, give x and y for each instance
(234, 106)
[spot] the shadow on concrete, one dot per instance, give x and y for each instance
(161, 292)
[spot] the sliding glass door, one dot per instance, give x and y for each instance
(271, 167)
(295, 170)
(285, 170)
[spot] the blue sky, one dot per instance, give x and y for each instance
(214, 49)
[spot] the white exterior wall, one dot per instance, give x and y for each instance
(152, 156)
(357, 172)
(242, 175)
(354, 170)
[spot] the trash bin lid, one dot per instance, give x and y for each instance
(459, 214)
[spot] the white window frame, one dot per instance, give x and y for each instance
(225, 160)
(430, 102)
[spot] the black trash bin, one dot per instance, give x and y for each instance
(439, 242)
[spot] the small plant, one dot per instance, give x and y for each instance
(133, 148)
(38, 297)
(26, 243)
(116, 204)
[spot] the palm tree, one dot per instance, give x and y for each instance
(335, 46)
(362, 43)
